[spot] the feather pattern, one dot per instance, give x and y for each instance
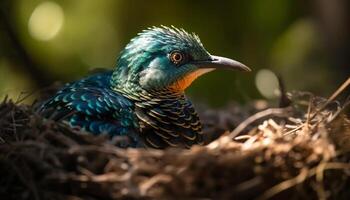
(92, 106)
(168, 120)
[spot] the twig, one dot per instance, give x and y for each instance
(281, 112)
(339, 90)
(293, 130)
(284, 100)
(303, 175)
(332, 97)
(285, 185)
(346, 104)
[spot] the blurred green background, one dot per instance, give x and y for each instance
(305, 42)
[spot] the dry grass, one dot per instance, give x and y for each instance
(297, 152)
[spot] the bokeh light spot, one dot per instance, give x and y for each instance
(46, 21)
(267, 83)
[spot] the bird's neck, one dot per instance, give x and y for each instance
(133, 91)
(139, 95)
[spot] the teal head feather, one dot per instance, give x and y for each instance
(164, 58)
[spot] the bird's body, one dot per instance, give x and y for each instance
(143, 99)
(91, 104)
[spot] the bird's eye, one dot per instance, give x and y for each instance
(177, 57)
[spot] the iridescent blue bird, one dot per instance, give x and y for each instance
(143, 98)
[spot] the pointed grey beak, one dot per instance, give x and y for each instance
(218, 62)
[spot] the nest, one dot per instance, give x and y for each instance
(297, 152)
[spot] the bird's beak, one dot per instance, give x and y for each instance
(218, 62)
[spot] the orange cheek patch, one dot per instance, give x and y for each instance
(186, 81)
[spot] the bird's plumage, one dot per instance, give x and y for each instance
(142, 99)
(92, 105)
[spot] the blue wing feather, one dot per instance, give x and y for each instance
(91, 104)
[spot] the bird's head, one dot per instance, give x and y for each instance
(166, 58)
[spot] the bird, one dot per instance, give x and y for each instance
(142, 100)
